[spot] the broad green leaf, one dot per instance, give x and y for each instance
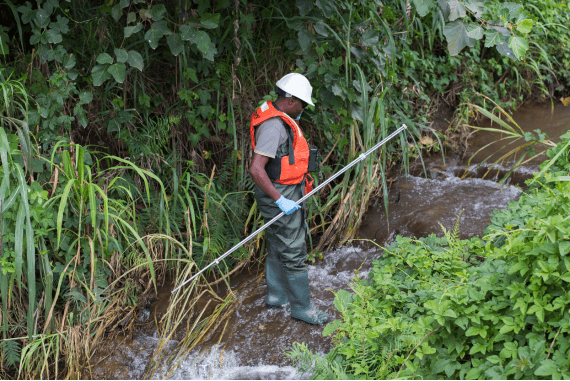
(157, 12)
(452, 9)
(104, 58)
(327, 6)
(42, 18)
(305, 39)
(211, 52)
(475, 31)
(547, 368)
(53, 36)
(162, 26)
(456, 34)
(210, 20)
(525, 26)
(504, 49)
(513, 9)
(61, 25)
(519, 46)
(202, 41)
(125, 3)
(370, 37)
(116, 12)
(304, 6)
(158, 29)
(82, 117)
(69, 61)
(118, 71)
(130, 30)
(342, 300)
(321, 28)
(424, 6)
(99, 74)
(35, 38)
(189, 32)
(131, 17)
(152, 36)
(291, 44)
(331, 327)
(441, 364)
(121, 55)
(85, 97)
(135, 60)
(473, 374)
(175, 43)
(190, 73)
(564, 247)
(493, 37)
(295, 24)
(450, 313)
(477, 7)
(495, 373)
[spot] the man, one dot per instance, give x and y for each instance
(279, 169)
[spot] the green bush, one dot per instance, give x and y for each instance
(465, 309)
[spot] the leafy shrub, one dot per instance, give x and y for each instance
(484, 309)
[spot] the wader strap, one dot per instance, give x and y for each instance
(291, 151)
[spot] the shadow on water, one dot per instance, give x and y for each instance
(251, 345)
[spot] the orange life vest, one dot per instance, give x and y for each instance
(290, 169)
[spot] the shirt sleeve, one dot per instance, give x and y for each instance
(268, 137)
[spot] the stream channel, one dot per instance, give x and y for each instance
(252, 345)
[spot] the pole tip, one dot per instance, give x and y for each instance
(405, 127)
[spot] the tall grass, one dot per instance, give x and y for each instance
(510, 133)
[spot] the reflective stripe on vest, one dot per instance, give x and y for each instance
(290, 173)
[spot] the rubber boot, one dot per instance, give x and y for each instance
(276, 283)
(300, 298)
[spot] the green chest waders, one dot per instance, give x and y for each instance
(286, 271)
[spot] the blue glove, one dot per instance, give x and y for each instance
(287, 206)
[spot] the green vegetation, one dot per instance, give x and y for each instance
(439, 308)
(124, 138)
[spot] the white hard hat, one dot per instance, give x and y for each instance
(295, 84)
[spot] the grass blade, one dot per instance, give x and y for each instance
(62, 205)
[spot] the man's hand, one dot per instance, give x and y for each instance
(257, 172)
(287, 206)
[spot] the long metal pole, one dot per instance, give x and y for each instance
(245, 240)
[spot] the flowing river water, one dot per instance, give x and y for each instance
(252, 345)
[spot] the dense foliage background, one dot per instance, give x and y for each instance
(124, 135)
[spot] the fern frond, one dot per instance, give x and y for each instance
(11, 352)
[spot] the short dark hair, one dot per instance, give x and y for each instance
(280, 92)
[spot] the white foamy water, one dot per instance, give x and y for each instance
(218, 364)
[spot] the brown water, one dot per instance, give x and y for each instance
(253, 344)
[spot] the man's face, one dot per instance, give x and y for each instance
(297, 107)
